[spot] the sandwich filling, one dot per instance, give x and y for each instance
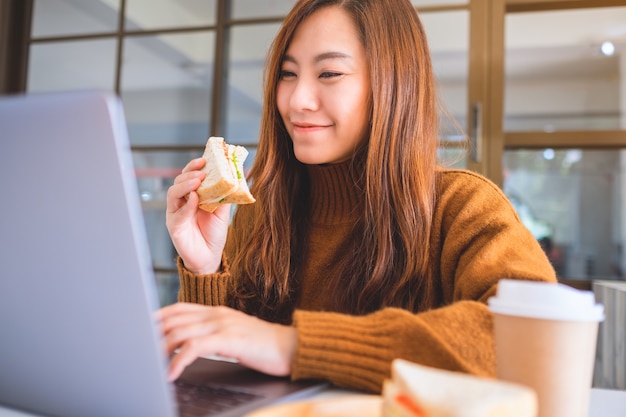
(225, 181)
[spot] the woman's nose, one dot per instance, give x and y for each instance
(304, 96)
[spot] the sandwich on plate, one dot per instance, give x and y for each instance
(419, 391)
(225, 182)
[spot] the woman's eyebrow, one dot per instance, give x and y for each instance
(289, 58)
(320, 57)
(332, 55)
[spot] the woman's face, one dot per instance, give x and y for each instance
(323, 92)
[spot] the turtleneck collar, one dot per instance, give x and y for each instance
(335, 198)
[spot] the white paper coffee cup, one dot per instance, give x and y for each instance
(545, 335)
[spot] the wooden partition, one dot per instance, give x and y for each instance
(610, 369)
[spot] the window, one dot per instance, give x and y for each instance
(565, 132)
(572, 200)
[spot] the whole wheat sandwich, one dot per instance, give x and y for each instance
(225, 182)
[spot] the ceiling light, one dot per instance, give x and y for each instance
(548, 154)
(607, 48)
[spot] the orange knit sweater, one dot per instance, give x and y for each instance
(477, 239)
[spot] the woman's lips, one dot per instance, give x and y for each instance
(308, 127)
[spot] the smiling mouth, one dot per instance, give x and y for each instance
(308, 127)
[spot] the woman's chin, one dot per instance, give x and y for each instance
(317, 158)
(310, 159)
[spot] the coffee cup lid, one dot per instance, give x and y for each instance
(545, 300)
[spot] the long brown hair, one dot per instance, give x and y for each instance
(396, 172)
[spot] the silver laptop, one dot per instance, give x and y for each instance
(77, 291)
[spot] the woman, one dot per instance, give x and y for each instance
(359, 249)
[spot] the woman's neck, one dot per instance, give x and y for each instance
(335, 196)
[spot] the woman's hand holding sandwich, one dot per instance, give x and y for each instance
(198, 204)
(198, 236)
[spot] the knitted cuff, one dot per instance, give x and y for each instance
(209, 289)
(351, 351)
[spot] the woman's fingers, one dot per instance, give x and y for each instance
(188, 353)
(197, 330)
(188, 323)
(189, 175)
(177, 192)
(194, 165)
(187, 181)
(178, 314)
(191, 328)
(223, 213)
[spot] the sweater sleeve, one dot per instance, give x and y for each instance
(477, 239)
(210, 289)
(356, 351)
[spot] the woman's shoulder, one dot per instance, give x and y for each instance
(452, 176)
(462, 189)
(463, 181)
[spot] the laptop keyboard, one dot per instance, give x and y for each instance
(203, 400)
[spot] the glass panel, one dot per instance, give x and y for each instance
(155, 171)
(242, 9)
(86, 64)
(248, 48)
(557, 78)
(166, 88)
(167, 287)
(448, 38)
(61, 17)
(452, 157)
(151, 14)
(246, 9)
(573, 202)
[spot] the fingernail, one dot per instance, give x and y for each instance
(171, 376)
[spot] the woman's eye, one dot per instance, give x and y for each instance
(329, 74)
(286, 74)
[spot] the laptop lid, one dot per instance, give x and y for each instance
(76, 287)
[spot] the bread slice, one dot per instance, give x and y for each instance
(225, 181)
(419, 391)
(220, 177)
